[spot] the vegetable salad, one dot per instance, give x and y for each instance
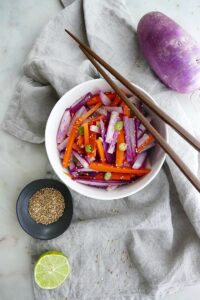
(101, 142)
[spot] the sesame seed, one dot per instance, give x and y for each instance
(46, 206)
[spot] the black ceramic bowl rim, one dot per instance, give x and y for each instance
(37, 230)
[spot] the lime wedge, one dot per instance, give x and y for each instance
(51, 270)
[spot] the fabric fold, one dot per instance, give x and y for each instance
(140, 247)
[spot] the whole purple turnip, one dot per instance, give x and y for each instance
(171, 52)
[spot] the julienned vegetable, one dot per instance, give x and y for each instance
(170, 51)
(103, 150)
(64, 125)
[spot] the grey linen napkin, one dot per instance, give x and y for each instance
(140, 247)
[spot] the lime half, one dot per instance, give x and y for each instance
(51, 270)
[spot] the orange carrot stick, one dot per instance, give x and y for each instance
(68, 150)
(115, 176)
(80, 141)
(104, 167)
(119, 176)
(126, 109)
(119, 154)
(94, 100)
(86, 134)
(92, 140)
(110, 95)
(116, 101)
(101, 150)
(89, 112)
(148, 141)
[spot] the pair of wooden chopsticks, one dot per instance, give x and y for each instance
(94, 58)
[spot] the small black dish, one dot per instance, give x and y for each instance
(36, 230)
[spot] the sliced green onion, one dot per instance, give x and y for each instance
(98, 124)
(108, 176)
(119, 125)
(81, 130)
(122, 147)
(88, 148)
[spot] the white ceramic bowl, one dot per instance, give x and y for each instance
(157, 156)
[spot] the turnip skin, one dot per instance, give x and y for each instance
(171, 52)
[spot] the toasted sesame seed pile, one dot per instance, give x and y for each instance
(46, 206)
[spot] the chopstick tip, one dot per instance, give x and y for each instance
(67, 31)
(72, 36)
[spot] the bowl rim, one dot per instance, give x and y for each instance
(70, 183)
(35, 186)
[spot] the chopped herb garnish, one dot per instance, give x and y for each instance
(98, 124)
(119, 125)
(88, 148)
(81, 130)
(108, 176)
(122, 147)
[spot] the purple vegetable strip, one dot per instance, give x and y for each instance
(109, 157)
(79, 103)
(140, 160)
(136, 139)
(64, 124)
(76, 170)
(72, 168)
(102, 111)
(79, 113)
(129, 154)
(132, 135)
(94, 128)
(101, 183)
(126, 164)
(136, 132)
(113, 143)
(104, 99)
(142, 139)
(111, 126)
(61, 154)
(73, 171)
(140, 133)
(102, 129)
(89, 182)
(114, 108)
(62, 145)
(141, 127)
(144, 165)
(81, 159)
(87, 170)
(72, 165)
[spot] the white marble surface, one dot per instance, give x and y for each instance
(20, 23)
